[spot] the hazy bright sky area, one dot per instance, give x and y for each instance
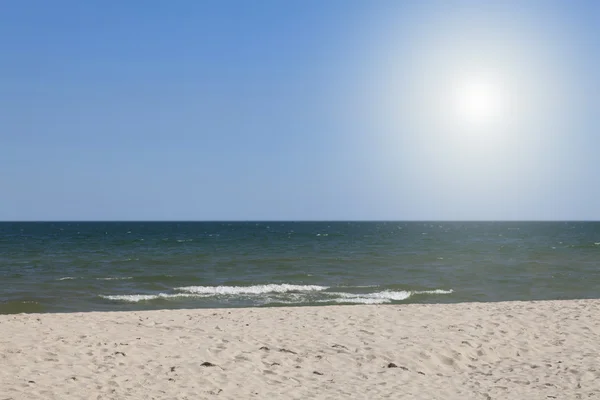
(299, 110)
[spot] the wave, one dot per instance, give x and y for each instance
(281, 294)
(115, 278)
(257, 289)
(110, 278)
(134, 298)
(386, 296)
(378, 297)
(436, 291)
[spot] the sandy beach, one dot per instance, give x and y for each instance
(534, 350)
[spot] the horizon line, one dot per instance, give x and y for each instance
(296, 220)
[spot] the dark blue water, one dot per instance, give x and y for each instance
(64, 267)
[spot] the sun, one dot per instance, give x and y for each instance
(478, 102)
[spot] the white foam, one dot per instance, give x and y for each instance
(297, 298)
(386, 296)
(389, 295)
(299, 294)
(134, 298)
(66, 278)
(382, 297)
(436, 291)
(257, 289)
(115, 278)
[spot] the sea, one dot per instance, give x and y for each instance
(119, 266)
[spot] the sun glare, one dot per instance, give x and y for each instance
(478, 103)
(472, 83)
(467, 101)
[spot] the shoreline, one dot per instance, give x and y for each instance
(538, 349)
(295, 306)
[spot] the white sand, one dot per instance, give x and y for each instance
(519, 350)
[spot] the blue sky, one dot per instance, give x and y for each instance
(236, 110)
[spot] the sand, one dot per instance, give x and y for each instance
(534, 350)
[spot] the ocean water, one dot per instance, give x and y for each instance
(98, 266)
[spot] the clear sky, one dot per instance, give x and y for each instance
(299, 110)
